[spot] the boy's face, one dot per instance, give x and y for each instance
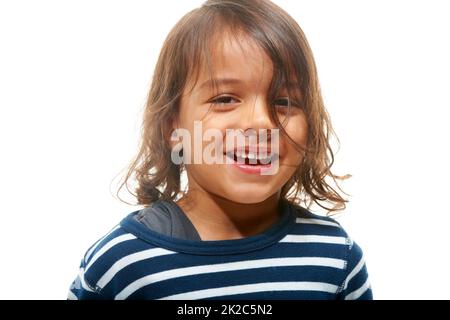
(241, 104)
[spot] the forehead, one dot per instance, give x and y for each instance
(235, 57)
(242, 49)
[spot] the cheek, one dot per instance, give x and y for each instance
(297, 129)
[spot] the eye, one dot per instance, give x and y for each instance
(224, 100)
(282, 102)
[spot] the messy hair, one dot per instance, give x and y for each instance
(187, 47)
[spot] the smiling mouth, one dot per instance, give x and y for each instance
(252, 159)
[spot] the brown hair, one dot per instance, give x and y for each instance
(185, 49)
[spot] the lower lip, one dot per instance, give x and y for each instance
(251, 169)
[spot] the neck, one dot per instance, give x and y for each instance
(217, 218)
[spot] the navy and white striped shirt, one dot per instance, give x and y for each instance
(302, 256)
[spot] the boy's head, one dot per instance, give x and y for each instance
(236, 64)
(234, 94)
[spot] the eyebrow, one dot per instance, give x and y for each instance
(209, 83)
(221, 81)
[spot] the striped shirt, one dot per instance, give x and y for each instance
(301, 256)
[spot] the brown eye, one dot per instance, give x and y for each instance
(282, 102)
(224, 100)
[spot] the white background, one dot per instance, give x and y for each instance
(73, 80)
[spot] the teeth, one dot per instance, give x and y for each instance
(260, 157)
(253, 156)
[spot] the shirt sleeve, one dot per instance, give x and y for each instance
(356, 284)
(80, 289)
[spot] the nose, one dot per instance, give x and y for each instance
(256, 115)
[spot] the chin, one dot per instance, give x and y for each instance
(249, 195)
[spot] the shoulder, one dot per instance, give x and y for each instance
(111, 253)
(309, 222)
(114, 240)
(325, 234)
(331, 240)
